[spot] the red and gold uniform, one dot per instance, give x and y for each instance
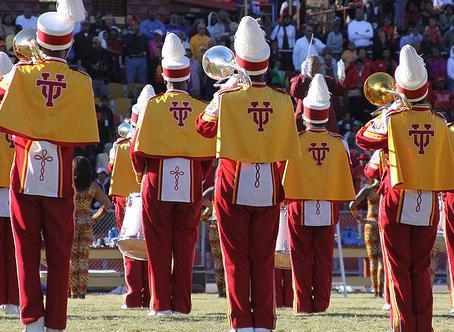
(41, 106)
(448, 228)
(172, 161)
(416, 149)
(9, 291)
(248, 193)
(316, 183)
(123, 182)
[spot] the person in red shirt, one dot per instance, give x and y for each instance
(356, 76)
(299, 85)
(386, 64)
(442, 99)
(432, 34)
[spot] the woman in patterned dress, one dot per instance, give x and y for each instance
(371, 233)
(209, 216)
(85, 191)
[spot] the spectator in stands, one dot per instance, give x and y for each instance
(7, 26)
(450, 70)
(412, 37)
(443, 99)
(82, 42)
(27, 20)
(195, 81)
(278, 76)
(106, 124)
(301, 50)
(212, 20)
(350, 54)
(432, 35)
(99, 25)
(174, 26)
(437, 66)
(412, 14)
(335, 39)
(102, 179)
(148, 26)
(285, 34)
(156, 44)
(390, 30)
(360, 31)
(115, 48)
(427, 11)
(385, 63)
(380, 43)
(98, 64)
(448, 38)
(446, 18)
(225, 29)
(356, 76)
(329, 67)
(129, 19)
(109, 21)
(135, 48)
(200, 42)
(368, 63)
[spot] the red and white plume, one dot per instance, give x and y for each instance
(411, 74)
(317, 102)
(251, 49)
(175, 64)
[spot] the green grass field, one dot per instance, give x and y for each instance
(359, 312)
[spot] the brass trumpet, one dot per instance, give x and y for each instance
(26, 48)
(125, 130)
(380, 89)
(219, 63)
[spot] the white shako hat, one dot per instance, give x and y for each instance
(411, 75)
(5, 64)
(317, 102)
(139, 108)
(55, 29)
(251, 49)
(175, 63)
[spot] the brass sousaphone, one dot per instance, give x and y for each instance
(219, 63)
(26, 48)
(380, 89)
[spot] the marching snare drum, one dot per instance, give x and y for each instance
(282, 255)
(131, 241)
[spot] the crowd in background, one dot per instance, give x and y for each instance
(367, 40)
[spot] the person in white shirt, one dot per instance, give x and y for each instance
(360, 31)
(450, 70)
(285, 34)
(27, 21)
(301, 49)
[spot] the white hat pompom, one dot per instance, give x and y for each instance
(318, 96)
(173, 47)
(251, 46)
(5, 64)
(175, 63)
(411, 74)
(71, 10)
(146, 93)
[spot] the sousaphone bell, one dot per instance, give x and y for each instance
(219, 63)
(26, 48)
(380, 89)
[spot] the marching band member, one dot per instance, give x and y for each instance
(122, 184)
(316, 183)
(171, 161)
(50, 108)
(9, 291)
(299, 86)
(448, 228)
(419, 162)
(255, 129)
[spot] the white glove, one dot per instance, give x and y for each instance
(213, 107)
(340, 70)
(305, 68)
(232, 82)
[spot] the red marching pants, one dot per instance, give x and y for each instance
(283, 287)
(171, 233)
(311, 252)
(448, 228)
(9, 289)
(248, 240)
(30, 215)
(407, 251)
(136, 272)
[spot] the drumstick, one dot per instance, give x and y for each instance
(310, 45)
